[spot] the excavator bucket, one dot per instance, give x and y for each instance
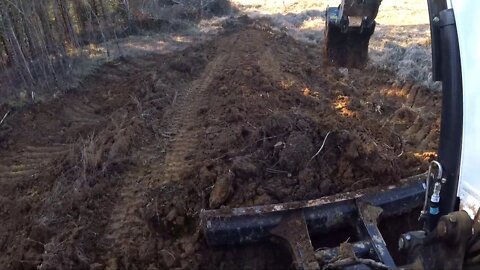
(349, 49)
(348, 29)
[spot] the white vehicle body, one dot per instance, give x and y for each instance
(466, 12)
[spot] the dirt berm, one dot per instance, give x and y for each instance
(113, 175)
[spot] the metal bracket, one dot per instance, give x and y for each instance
(293, 229)
(369, 216)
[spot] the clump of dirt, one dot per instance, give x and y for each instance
(114, 174)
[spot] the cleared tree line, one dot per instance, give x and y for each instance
(38, 37)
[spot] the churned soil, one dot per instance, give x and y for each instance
(113, 175)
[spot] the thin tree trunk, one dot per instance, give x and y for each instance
(128, 13)
(82, 18)
(103, 11)
(67, 23)
(21, 55)
(16, 48)
(101, 30)
(47, 68)
(45, 25)
(93, 7)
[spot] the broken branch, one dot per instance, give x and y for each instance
(4, 117)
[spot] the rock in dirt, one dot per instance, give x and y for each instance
(298, 150)
(172, 215)
(222, 189)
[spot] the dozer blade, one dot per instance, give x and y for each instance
(294, 223)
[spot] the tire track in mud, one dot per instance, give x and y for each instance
(183, 124)
(270, 66)
(81, 114)
(35, 157)
(127, 228)
(29, 162)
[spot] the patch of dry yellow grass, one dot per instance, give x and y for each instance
(392, 12)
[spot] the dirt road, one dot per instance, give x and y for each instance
(113, 175)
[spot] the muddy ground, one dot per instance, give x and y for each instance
(113, 175)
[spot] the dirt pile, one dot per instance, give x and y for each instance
(114, 174)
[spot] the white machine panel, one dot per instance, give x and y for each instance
(466, 12)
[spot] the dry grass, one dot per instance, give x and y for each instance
(392, 12)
